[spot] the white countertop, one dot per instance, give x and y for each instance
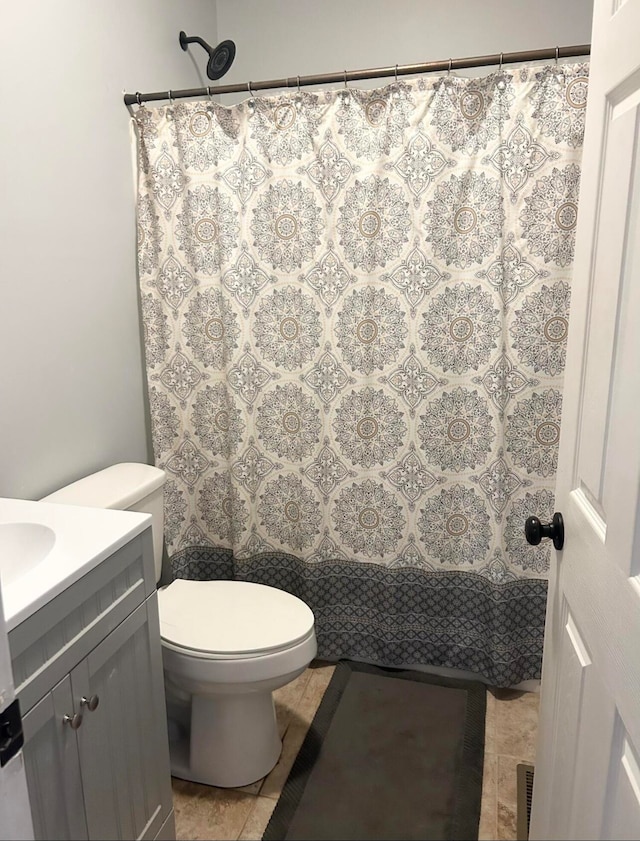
(83, 538)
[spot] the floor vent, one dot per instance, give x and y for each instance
(525, 793)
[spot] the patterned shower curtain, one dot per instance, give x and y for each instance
(355, 315)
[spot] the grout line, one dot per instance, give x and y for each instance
(253, 806)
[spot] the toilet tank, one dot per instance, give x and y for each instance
(129, 486)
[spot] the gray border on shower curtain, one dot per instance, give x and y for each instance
(400, 617)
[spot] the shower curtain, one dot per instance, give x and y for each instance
(355, 315)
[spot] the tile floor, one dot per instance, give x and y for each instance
(204, 812)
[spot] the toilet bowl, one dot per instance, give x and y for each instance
(226, 645)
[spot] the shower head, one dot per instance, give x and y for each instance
(220, 57)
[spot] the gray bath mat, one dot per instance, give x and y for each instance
(389, 755)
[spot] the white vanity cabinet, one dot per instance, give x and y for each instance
(88, 673)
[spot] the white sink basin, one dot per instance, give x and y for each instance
(45, 547)
(22, 547)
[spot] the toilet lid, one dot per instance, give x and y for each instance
(231, 617)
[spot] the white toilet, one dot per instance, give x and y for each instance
(226, 645)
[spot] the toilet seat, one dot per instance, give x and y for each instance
(231, 620)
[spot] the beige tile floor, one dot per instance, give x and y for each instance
(205, 812)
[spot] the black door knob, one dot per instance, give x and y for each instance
(534, 530)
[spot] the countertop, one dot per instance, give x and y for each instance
(83, 538)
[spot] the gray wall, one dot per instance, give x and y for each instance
(71, 379)
(71, 383)
(278, 38)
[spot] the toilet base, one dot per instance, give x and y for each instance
(228, 740)
(220, 711)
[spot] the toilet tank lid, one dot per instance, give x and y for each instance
(118, 486)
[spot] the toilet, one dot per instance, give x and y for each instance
(226, 645)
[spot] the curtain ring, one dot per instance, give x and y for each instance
(298, 85)
(396, 74)
(449, 70)
(345, 80)
(251, 105)
(138, 99)
(500, 68)
(557, 53)
(170, 99)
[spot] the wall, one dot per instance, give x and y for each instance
(278, 38)
(72, 397)
(71, 382)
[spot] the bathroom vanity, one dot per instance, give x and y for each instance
(86, 657)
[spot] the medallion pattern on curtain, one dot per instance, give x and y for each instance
(355, 314)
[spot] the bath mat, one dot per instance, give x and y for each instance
(389, 755)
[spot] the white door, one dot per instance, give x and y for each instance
(587, 778)
(15, 815)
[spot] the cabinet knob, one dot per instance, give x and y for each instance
(90, 703)
(74, 721)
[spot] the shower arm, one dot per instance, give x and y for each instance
(193, 39)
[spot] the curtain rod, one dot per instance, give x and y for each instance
(370, 73)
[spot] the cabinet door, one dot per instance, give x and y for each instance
(52, 766)
(124, 754)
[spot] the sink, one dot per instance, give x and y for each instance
(22, 547)
(45, 547)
